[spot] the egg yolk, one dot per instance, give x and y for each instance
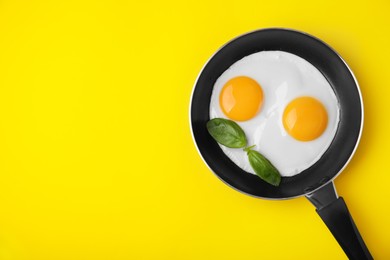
(241, 98)
(305, 118)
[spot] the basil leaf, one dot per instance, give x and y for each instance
(263, 168)
(226, 132)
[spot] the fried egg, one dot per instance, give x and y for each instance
(285, 106)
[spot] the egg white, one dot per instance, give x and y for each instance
(283, 77)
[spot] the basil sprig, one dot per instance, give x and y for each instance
(227, 132)
(230, 134)
(263, 167)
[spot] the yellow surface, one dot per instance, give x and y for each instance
(96, 156)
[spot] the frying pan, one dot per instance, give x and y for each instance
(316, 182)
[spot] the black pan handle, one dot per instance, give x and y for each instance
(335, 214)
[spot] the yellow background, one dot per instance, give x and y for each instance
(96, 156)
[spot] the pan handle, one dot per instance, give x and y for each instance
(334, 212)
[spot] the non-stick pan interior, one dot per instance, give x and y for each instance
(335, 71)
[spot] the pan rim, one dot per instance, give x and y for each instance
(357, 87)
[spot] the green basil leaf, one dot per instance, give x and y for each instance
(227, 132)
(263, 168)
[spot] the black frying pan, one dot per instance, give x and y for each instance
(316, 182)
